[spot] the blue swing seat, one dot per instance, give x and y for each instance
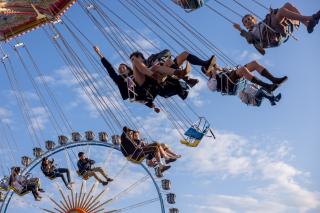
(196, 133)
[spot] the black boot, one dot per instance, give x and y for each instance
(268, 87)
(191, 81)
(196, 61)
(275, 80)
(313, 22)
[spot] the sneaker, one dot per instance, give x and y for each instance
(157, 110)
(105, 183)
(109, 179)
(313, 22)
(164, 168)
(158, 172)
(272, 87)
(183, 95)
(178, 156)
(41, 190)
(278, 97)
(211, 62)
(38, 198)
(170, 160)
(192, 82)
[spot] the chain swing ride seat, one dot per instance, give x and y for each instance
(196, 133)
(190, 5)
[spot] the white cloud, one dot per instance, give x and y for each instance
(45, 79)
(40, 118)
(5, 115)
(278, 185)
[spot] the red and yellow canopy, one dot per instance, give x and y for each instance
(21, 16)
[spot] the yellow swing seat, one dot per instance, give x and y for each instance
(129, 158)
(190, 142)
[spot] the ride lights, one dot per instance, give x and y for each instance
(89, 135)
(103, 136)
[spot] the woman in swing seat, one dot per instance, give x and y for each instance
(253, 95)
(22, 185)
(50, 171)
(225, 79)
(281, 21)
(120, 79)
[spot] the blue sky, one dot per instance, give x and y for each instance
(264, 159)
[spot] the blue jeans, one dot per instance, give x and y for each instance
(262, 93)
(59, 173)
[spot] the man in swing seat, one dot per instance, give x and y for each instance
(225, 80)
(276, 27)
(86, 170)
(50, 171)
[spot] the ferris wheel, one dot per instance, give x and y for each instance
(84, 195)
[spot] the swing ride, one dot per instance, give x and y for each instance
(71, 45)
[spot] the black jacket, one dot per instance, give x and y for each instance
(127, 146)
(48, 172)
(85, 165)
(118, 80)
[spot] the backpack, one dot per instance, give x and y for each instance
(158, 58)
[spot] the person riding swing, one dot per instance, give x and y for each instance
(22, 184)
(225, 80)
(86, 170)
(253, 95)
(276, 28)
(49, 170)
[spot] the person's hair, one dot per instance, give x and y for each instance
(80, 154)
(137, 54)
(44, 159)
(130, 71)
(246, 16)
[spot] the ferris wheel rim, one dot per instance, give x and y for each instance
(71, 145)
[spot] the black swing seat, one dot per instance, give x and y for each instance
(190, 5)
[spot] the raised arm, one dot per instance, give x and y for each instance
(250, 38)
(112, 73)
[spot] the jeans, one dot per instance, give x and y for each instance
(262, 93)
(31, 187)
(59, 173)
(93, 173)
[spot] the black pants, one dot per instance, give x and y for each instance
(59, 173)
(31, 187)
